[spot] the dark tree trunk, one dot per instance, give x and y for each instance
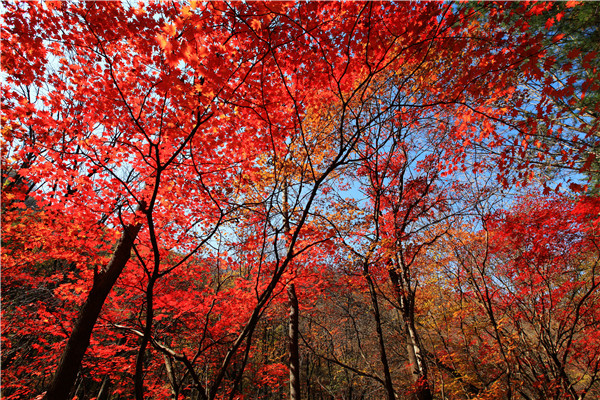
(293, 344)
(389, 386)
(70, 361)
(138, 378)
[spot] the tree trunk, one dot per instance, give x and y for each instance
(70, 361)
(418, 367)
(104, 392)
(389, 386)
(138, 377)
(171, 376)
(293, 344)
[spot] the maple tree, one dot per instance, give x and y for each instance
(179, 178)
(562, 82)
(525, 296)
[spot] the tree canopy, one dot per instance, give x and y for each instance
(257, 200)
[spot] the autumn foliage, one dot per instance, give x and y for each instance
(257, 200)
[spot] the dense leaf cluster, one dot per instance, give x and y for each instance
(227, 200)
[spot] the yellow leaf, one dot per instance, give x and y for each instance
(255, 24)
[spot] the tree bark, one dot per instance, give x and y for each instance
(389, 386)
(138, 377)
(70, 361)
(293, 344)
(171, 376)
(104, 392)
(418, 367)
